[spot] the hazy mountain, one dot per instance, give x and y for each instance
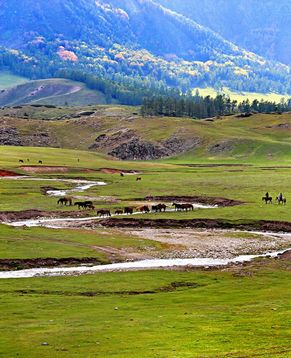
(263, 27)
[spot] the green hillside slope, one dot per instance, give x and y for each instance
(123, 133)
(57, 92)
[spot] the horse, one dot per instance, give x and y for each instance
(40, 162)
(21, 161)
(81, 205)
(121, 174)
(162, 207)
(178, 207)
(138, 179)
(267, 200)
(155, 208)
(128, 211)
(65, 201)
(118, 212)
(187, 207)
(88, 203)
(90, 207)
(144, 209)
(282, 201)
(104, 213)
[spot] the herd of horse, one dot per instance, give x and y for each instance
(145, 209)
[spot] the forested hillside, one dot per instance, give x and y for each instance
(133, 44)
(263, 27)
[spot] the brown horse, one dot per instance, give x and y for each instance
(118, 212)
(81, 204)
(178, 207)
(187, 207)
(144, 209)
(65, 201)
(104, 213)
(128, 210)
(138, 179)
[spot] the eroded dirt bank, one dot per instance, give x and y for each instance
(216, 201)
(10, 216)
(260, 225)
(20, 264)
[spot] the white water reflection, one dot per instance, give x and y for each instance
(131, 266)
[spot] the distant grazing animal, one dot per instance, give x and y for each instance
(40, 162)
(159, 208)
(65, 201)
(21, 161)
(144, 209)
(183, 207)
(121, 174)
(187, 207)
(81, 205)
(88, 203)
(138, 179)
(282, 201)
(27, 160)
(128, 211)
(104, 213)
(267, 200)
(178, 207)
(118, 212)
(90, 207)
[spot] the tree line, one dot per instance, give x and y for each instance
(196, 106)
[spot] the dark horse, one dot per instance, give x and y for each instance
(267, 199)
(128, 211)
(65, 201)
(104, 213)
(282, 201)
(144, 209)
(159, 208)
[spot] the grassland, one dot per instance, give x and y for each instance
(57, 91)
(242, 311)
(243, 96)
(7, 80)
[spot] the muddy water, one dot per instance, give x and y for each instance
(131, 266)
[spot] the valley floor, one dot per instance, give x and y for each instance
(238, 310)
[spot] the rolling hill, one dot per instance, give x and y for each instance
(58, 92)
(122, 133)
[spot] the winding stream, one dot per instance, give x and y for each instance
(132, 266)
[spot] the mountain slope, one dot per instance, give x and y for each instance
(263, 27)
(51, 92)
(129, 41)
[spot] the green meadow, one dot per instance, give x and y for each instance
(242, 311)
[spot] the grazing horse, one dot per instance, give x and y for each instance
(81, 205)
(118, 212)
(65, 201)
(121, 174)
(138, 179)
(267, 200)
(178, 207)
(21, 161)
(162, 207)
(40, 162)
(104, 213)
(144, 209)
(187, 207)
(128, 211)
(282, 201)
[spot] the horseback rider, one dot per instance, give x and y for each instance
(267, 195)
(280, 196)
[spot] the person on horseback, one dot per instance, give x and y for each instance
(280, 197)
(267, 195)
